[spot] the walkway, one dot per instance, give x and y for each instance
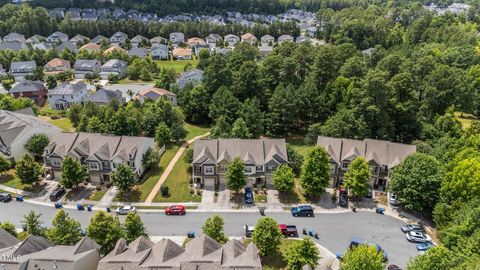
(108, 197)
(169, 168)
(16, 191)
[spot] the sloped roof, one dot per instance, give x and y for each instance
(382, 153)
(23, 64)
(181, 52)
(27, 86)
(248, 37)
(91, 47)
(57, 62)
(138, 38)
(112, 49)
(257, 151)
(63, 253)
(162, 254)
(12, 45)
(15, 36)
(6, 239)
(30, 245)
(156, 92)
(78, 38)
(68, 88)
(105, 96)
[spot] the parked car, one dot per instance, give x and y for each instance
(369, 193)
(5, 197)
(343, 197)
(358, 241)
(412, 227)
(125, 210)
(424, 246)
(417, 237)
(57, 194)
(288, 230)
(392, 199)
(302, 211)
(394, 267)
(249, 231)
(248, 195)
(175, 210)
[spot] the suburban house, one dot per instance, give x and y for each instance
(182, 53)
(16, 128)
(57, 37)
(302, 39)
(283, 38)
(265, 50)
(193, 77)
(118, 38)
(113, 48)
(13, 46)
(100, 152)
(104, 96)
(34, 90)
(213, 39)
(194, 41)
(115, 67)
(6, 239)
(138, 52)
(21, 69)
(98, 39)
(260, 156)
(231, 40)
(35, 39)
(159, 52)
(79, 39)
(19, 250)
(42, 46)
(86, 66)
(67, 45)
(267, 40)
(155, 93)
(56, 66)
(82, 256)
(91, 47)
(248, 37)
(177, 37)
(66, 94)
(311, 31)
(14, 37)
(136, 40)
(200, 253)
(382, 156)
(158, 40)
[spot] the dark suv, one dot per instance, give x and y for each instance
(302, 211)
(5, 197)
(57, 194)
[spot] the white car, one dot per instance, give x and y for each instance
(125, 210)
(392, 199)
(417, 237)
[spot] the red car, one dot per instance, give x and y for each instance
(175, 210)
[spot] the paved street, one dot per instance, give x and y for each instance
(335, 230)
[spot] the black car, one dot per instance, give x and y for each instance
(343, 197)
(248, 195)
(5, 197)
(57, 194)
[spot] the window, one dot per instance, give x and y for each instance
(56, 162)
(345, 165)
(259, 168)
(93, 166)
(248, 169)
(223, 168)
(270, 168)
(197, 169)
(208, 170)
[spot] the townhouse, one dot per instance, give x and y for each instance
(260, 156)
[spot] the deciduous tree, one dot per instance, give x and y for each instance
(64, 230)
(123, 178)
(302, 253)
(267, 236)
(213, 227)
(133, 227)
(316, 171)
(284, 178)
(363, 257)
(73, 172)
(28, 170)
(31, 222)
(106, 230)
(357, 176)
(236, 178)
(37, 143)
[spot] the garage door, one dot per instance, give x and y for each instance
(209, 184)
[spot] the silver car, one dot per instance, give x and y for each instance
(412, 227)
(125, 210)
(417, 237)
(392, 199)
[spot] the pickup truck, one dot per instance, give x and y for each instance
(249, 231)
(288, 230)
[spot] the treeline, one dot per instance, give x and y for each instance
(30, 21)
(411, 76)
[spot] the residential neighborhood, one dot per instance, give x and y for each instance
(246, 134)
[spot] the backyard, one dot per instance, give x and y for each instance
(178, 182)
(195, 130)
(276, 261)
(177, 65)
(466, 119)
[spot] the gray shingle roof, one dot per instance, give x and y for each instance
(27, 86)
(258, 151)
(30, 245)
(85, 63)
(14, 37)
(12, 45)
(6, 239)
(68, 89)
(105, 96)
(380, 152)
(23, 65)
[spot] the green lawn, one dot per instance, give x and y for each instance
(9, 179)
(97, 195)
(276, 261)
(178, 182)
(195, 130)
(126, 80)
(297, 142)
(63, 123)
(141, 191)
(47, 111)
(177, 65)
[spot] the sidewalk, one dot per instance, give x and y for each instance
(17, 191)
(169, 168)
